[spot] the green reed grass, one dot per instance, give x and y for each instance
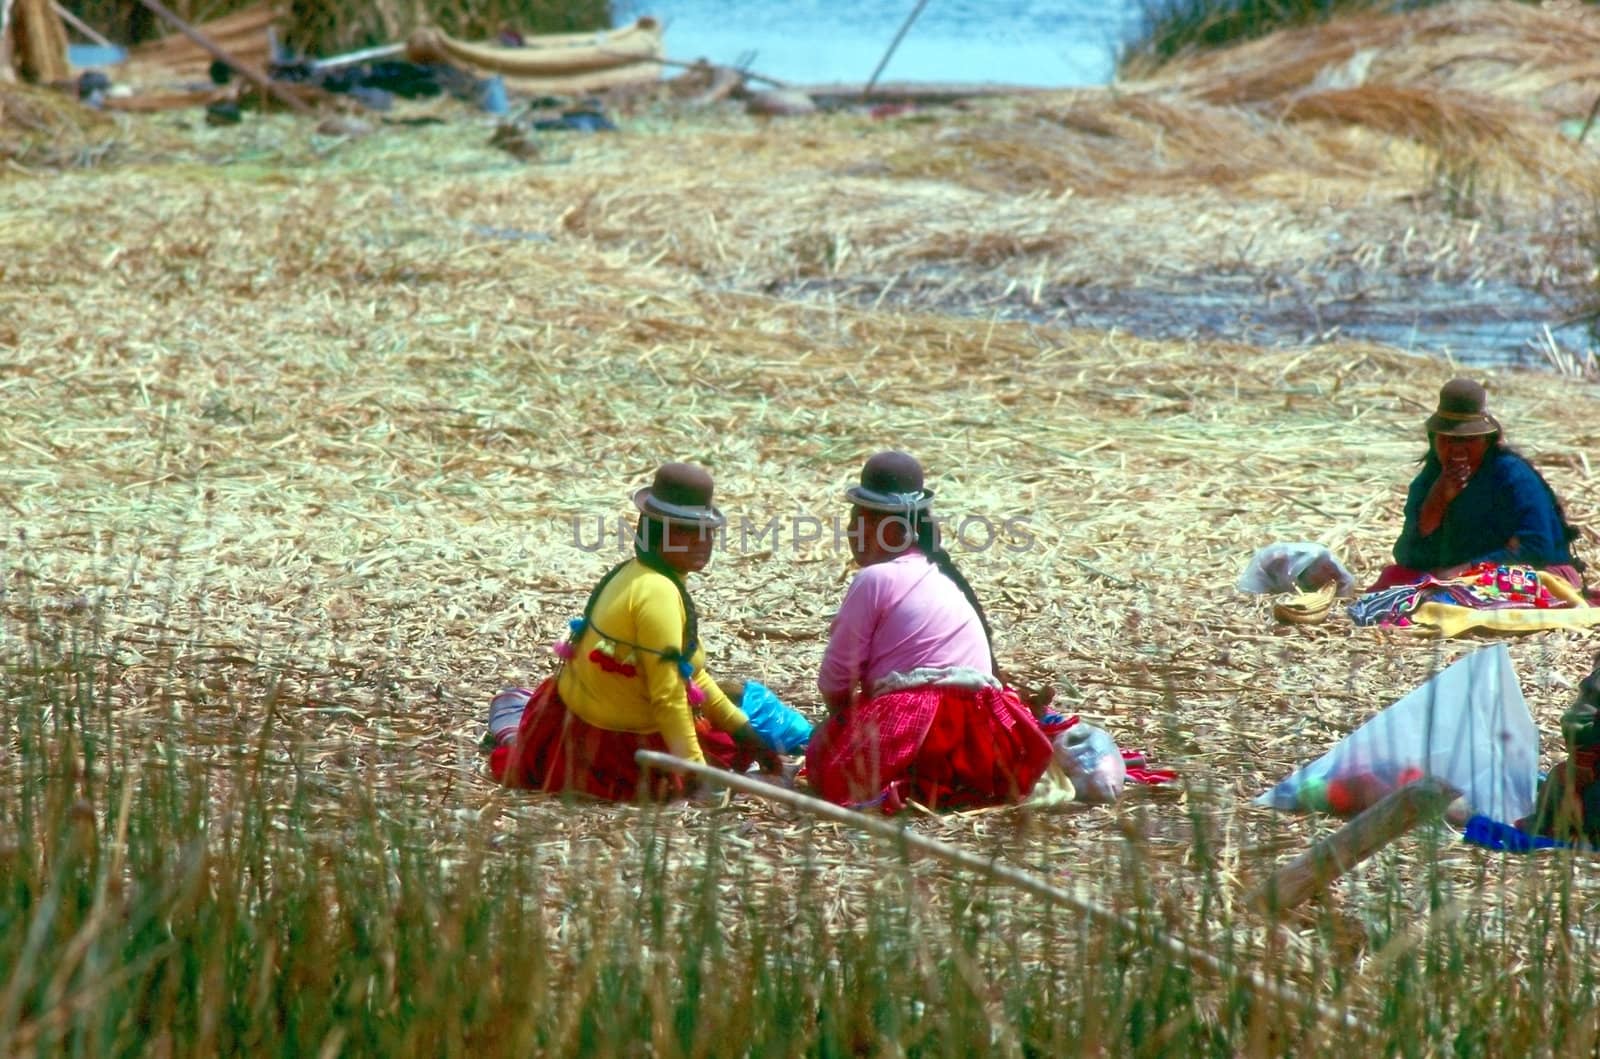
(164, 890)
(1170, 28)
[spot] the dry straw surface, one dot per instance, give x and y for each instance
(284, 405)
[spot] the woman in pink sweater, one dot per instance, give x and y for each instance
(917, 710)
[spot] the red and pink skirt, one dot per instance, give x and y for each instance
(946, 748)
(557, 751)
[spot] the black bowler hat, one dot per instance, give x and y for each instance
(891, 481)
(681, 492)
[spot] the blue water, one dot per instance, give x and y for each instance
(1059, 43)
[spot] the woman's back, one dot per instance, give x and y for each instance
(899, 616)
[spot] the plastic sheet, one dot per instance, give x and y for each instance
(1468, 725)
(1294, 566)
(1092, 760)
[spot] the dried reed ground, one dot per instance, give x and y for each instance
(283, 404)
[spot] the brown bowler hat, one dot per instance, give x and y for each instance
(681, 492)
(1463, 411)
(891, 481)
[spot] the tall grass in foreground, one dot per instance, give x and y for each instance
(163, 889)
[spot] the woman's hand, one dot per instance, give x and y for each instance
(765, 754)
(1441, 494)
(1454, 476)
(747, 736)
(708, 795)
(1038, 698)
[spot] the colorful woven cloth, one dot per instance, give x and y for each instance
(943, 747)
(1490, 597)
(555, 750)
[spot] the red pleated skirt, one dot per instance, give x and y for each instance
(557, 751)
(946, 748)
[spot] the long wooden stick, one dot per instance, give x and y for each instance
(381, 51)
(249, 73)
(7, 74)
(1200, 961)
(81, 26)
(1376, 827)
(40, 42)
(898, 37)
(1588, 123)
(683, 64)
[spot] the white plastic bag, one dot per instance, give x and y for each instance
(1294, 566)
(1468, 725)
(1091, 759)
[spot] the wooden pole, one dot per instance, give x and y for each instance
(898, 37)
(1376, 827)
(265, 84)
(7, 74)
(683, 64)
(381, 51)
(1588, 123)
(1200, 961)
(81, 26)
(40, 42)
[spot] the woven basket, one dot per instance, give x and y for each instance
(1306, 608)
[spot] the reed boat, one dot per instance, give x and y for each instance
(555, 63)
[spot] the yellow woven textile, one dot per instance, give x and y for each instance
(1448, 620)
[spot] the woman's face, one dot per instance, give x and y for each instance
(687, 549)
(859, 533)
(875, 536)
(1463, 455)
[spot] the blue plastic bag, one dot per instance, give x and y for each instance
(1491, 834)
(781, 727)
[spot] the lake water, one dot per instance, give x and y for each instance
(1058, 43)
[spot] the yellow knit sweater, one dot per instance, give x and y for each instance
(640, 608)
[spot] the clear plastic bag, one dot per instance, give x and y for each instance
(1092, 760)
(1468, 726)
(1297, 566)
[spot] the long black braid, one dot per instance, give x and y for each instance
(928, 544)
(647, 549)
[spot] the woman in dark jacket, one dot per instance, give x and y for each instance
(1477, 501)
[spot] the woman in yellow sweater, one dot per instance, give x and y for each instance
(633, 673)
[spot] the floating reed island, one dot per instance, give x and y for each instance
(307, 438)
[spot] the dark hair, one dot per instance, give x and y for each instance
(647, 549)
(928, 544)
(1498, 448)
